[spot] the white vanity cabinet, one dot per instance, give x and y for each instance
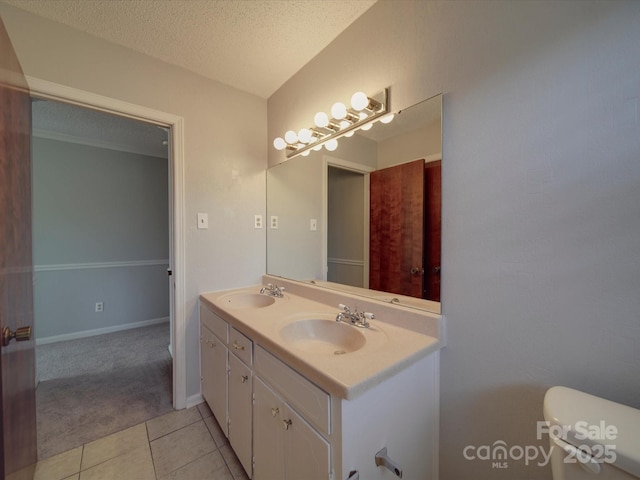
(226, 379)
(213, 364)
(287, 421)
(240, 398)
(286, 446)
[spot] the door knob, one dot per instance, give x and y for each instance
(416, 270)
(21, 334)
(436, 269)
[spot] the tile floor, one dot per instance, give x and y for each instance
(181, 445)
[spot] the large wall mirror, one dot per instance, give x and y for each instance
(364, 218)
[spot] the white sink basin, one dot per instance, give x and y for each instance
(323, 336)
(247, 300)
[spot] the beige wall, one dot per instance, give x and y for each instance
(225, 130)
(422, 143)
(541, 187)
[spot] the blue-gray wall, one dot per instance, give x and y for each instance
(101, 234)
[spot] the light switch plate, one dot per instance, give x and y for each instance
(313, 224)
(203, 221)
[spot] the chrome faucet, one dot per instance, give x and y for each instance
(358, 319)
(272, 290)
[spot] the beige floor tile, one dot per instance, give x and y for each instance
(59, 466)
(172, 421)
(73, 477)
(205, 411)
(136, 464)
(181, 447)
(215, 431)
(209, 467)
(113, 445)
(237, 470)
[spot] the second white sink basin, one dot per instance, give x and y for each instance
(247, 300)
(323, 336)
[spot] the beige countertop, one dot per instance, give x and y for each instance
(395, 339)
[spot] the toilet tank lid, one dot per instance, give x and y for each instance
(589, 420)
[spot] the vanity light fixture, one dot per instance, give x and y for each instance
(344, 122)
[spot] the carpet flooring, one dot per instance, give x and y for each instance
(96, 386)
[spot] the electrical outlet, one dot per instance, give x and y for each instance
(99, 306)
(257, 221)
(274, 222)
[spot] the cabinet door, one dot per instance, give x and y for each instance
(213, 365)
(240, 403)
(307, 454)
(268, 433)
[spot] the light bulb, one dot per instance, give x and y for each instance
(291, 137)
(359, 101)
(304, 135)
(331, 145)
(306, 153)
(349, 134)
(321, 119)
(338, 111)
(363, 115)
(344, 124)
(279, 143)
(388, 118)
(366, 127)
(317, 148)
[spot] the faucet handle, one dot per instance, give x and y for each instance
(344, 308)
(368, 315)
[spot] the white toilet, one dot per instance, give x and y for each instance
(591, 438)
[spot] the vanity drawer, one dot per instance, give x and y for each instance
(308, 399)
(241, 346)
(214, 323)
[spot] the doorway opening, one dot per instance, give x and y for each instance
(173, 289)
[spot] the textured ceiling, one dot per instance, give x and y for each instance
(253, 45)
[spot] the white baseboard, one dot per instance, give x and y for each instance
(194, 400)
(100, 331)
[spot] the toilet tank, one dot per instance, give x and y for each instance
(590, 437)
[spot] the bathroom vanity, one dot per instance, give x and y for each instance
(303, 396)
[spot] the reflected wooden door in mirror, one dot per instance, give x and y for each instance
(405, 230)
(397, 225)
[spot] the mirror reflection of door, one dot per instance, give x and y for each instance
(346, 218)
(405, 230)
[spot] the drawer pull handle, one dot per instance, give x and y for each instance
(244, 378)
(211, 343)
(287, 424)
(237, 346)
(275, 412)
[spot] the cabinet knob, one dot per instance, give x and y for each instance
(244, 378)
(237, 346)
(211, 343)
(287, 424)
(275, 412)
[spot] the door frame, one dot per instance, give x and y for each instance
(49, 90)
(364, 170)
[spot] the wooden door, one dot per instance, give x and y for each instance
(432, 229)
(17, 384)
(397, 225)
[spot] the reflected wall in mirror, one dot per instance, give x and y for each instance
(364, 218)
